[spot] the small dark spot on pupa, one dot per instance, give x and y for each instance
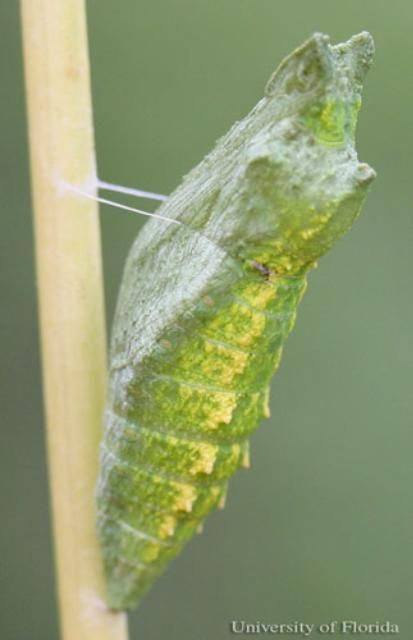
(262, 268)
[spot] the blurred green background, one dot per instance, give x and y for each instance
(320, 528)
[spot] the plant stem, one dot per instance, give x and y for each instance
(71, 302)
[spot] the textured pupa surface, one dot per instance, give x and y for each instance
(205, 307)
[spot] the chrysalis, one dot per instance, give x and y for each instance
(206, 305)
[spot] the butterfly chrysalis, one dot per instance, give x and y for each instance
(206, 304)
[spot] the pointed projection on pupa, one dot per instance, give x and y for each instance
(205, 307)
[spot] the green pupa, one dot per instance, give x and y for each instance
(208, 299)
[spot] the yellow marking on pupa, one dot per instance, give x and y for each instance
(317, 224)
(267, 412)
(230, 363)
(222, 501)
(222, 408)
(207, 456)
(187, 497)
(259, 294)
(256, 328)
(151, 552)
(306, 234)
(216, 406)
(236, 449)
(239, 325)
(246, 457)
(167, 527)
